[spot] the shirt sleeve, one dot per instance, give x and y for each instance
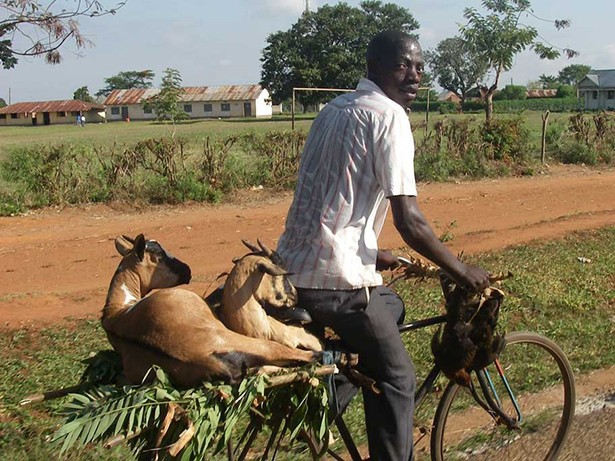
(394, 154)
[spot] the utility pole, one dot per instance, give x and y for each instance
(307, 6)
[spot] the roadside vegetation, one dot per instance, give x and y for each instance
(206, 161)
(570, 300)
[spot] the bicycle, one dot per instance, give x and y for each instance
(519, 407)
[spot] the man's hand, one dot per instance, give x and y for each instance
(472, 278)
(386, 261)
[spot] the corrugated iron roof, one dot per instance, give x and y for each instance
(546, 93)
(68, 105)
(601, 78)
(191, 94)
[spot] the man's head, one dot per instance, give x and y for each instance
(395, 63)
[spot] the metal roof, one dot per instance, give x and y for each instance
(600, 78)
(191, 94)
(69, 105)
(545, 93)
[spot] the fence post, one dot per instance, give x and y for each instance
(545, 120)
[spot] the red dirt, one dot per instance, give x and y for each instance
(58, 263)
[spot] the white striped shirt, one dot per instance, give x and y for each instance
(359, 151)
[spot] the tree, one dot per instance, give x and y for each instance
(548, 81)
(326, 48)
(83, 94)
(566, 91)
(573, 74)
(456, 66)
(511, 92)
(127, 80)
(29, 28)
(165, 103)
(499, 36)
(2, 103)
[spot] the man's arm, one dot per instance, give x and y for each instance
(418, 234)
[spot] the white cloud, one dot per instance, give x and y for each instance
(283, 7)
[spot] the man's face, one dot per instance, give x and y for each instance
(399, 72)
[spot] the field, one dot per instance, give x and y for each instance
(105, 134)
(57, 263)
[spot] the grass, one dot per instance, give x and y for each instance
(105, 134)
(551, 292)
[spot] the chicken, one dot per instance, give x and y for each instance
(469, 340)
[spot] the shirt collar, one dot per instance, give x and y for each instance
(366, 84)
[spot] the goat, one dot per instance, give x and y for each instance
(249, 292)
(174, 328)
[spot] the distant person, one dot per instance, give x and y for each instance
(78, 119)
(82, 120)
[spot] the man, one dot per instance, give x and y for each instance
(358, 159)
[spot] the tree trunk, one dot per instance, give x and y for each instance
(489, 106)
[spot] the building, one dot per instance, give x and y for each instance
(50, 113)
(196, 101)
(597, 90)
(449, 96)
(541, 93)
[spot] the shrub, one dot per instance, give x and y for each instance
(507, 139)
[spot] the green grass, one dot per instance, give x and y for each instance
(105, 134)
(551, 292)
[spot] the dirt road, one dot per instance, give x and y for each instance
(58, 263)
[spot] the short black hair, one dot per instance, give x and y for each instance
(384, 43)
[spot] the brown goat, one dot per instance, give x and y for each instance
(248, 291)
(175, 328)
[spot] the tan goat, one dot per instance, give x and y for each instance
(247, 292)
(175, 328)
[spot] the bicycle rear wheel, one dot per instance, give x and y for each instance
(542, 383)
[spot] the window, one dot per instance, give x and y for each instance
(610, 94)
(594, 94)
(147, 110)
(208, 107)
(2, 116)
(188, 108)
(115, 111)
(14, 115)
(225, 107)
(62, 114)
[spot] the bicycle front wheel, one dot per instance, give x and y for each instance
(540, 402)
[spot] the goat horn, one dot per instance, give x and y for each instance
(131, 240)
(265, 250)
(252, 248)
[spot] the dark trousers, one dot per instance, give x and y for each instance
(366, 320)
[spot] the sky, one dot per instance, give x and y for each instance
(215, 42)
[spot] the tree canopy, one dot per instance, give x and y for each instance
(573, 74)
(83, 94)
(499, 35)
(512, 92)
(127, 80)
(165, 103)
(456, 66)
(29, 28)
(326, 48)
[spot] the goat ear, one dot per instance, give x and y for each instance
(268, 267)
(140, 246)
(123, 245)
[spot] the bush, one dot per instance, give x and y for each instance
(507, 139)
